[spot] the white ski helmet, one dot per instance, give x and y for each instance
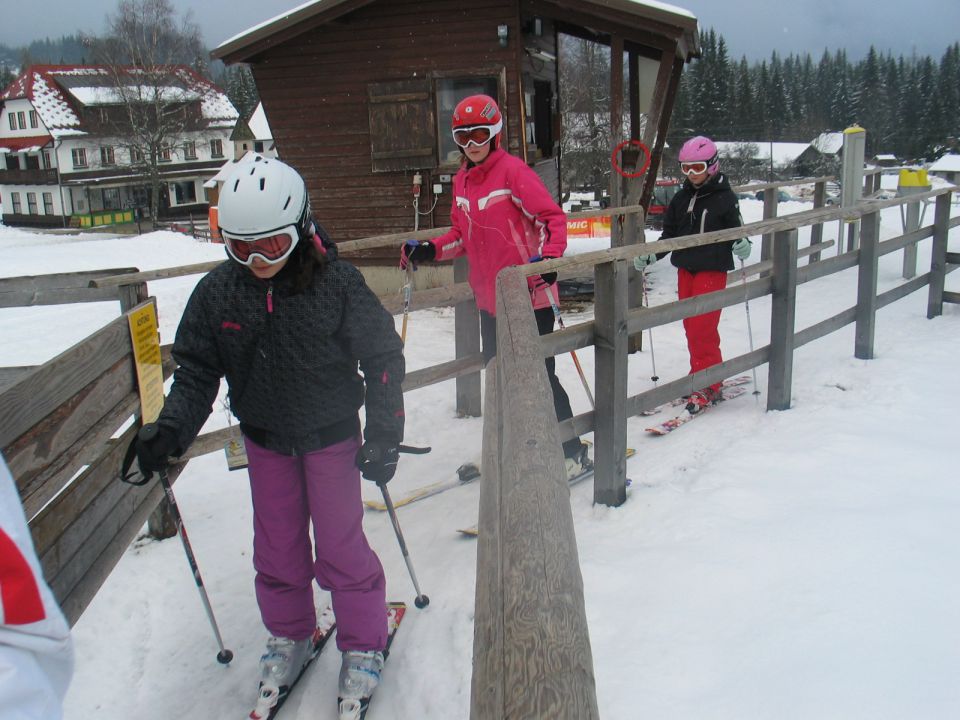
(260, 196)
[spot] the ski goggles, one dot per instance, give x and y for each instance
(272, 247)
(693, 168)
(478, 135)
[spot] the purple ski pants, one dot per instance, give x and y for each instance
(288, 492)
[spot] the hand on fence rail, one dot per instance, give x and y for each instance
(642, 261)
(741, 248)
(415, 251)
(152, 446)
(547, 278)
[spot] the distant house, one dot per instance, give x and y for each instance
(754, 158)
(253, 135)
(947, 167)
(885, 160)
(823, 153)
(360, 93)
(60, 163)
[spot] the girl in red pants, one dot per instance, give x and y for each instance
(704, 203)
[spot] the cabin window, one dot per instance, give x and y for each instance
(32, 203)
(48, 203)
(79, 156)
(163, 154)
(450, 91)
(401, 125)
(13, 120)
(190, 151)
(33, 119)
(32, 162)
(47, 163)
(111, 199)
(216, 148)
(107, 155)
(22, 120)
(136, 155)
(15, 201)
(184, 192)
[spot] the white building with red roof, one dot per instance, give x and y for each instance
(60, 163)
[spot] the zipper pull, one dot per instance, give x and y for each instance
(270, 298)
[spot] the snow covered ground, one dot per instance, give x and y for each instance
(797, 564)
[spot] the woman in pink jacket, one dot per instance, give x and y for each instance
(502, 215)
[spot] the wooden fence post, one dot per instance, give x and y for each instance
(782, 320)
(938, 259)
(770, 197)
(867, 285)
(545, 666)
(911, 222)
(816, 231)
(610, 381)
(161, 523)
(466, 323)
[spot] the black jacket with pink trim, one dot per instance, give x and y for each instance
(291, 360)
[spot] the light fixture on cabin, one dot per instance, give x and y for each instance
(502, 35)
(537, 26)
(541, 54)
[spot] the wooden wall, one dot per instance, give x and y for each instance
(314, 90)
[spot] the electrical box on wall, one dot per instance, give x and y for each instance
(444, 178)
(437, 189)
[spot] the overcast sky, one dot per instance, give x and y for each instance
(751, 27)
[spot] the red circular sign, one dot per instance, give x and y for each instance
(616, 151)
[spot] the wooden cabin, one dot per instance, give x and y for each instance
(360, 93)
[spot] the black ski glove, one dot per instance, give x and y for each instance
(155, 443)
(547, 278)
(377, 460)
(415, 252)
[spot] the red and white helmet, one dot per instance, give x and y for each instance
(477, 111)
(701, 149)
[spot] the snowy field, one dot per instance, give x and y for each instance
(785, 565)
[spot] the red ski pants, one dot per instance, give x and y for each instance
(703, 335)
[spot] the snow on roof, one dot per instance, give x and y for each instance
(948, 163)
(258, 124)
(117, 96)
(783, 152)
(58, 91)
(828, 143)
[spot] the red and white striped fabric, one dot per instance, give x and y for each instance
(36, 652)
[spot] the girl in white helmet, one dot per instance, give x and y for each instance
(289, 325)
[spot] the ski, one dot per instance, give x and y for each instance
(684, 417)
(271, 698)
(728, 383)
(466, 473)
(357, 709)
(473, 530)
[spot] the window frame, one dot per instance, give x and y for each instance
(165, 154)
(81, 155)
(108, 155)
(34, 120)
(16, 203)
(12, 118)
(190, 150)
(448, 153)
(22, 119)
(32, 206)
(216, 147)
(48, 203)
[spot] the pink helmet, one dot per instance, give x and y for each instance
(701, 149)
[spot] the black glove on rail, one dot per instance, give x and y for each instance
(155, 444)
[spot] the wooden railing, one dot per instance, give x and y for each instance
(531, 644)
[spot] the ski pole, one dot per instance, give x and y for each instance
(573, 353)
(147, 433)
(746, 303)
(373, 453)
(646, 301)
(407, 294)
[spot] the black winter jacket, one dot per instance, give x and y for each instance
(290, 360)
(712, 206)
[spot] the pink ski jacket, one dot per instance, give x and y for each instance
(502, 215)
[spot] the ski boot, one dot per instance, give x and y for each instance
(700, 399)
(359, 677)
(280, 668)
(579, 463)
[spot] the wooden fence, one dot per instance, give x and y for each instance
(531, 645)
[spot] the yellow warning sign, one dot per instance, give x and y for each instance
(146, 354)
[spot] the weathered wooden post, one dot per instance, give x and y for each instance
(816, 231)
(770, 198)
(867, 285)
(610, 381)
(532, 655)
(466, 323)
(783, 310)
(938, 258)
(161, 523)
